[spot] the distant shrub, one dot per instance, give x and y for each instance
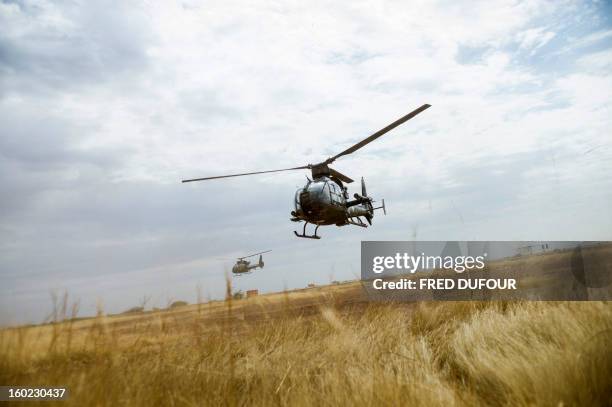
(134, 310)
(177, 304)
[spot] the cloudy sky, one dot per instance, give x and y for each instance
(106, 106)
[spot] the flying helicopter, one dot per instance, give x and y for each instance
(243, 266)
(324, 200)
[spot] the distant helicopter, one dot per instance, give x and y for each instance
(244, 267)
(324, 200)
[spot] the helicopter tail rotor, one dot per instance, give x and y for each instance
(363, 188)
(364, 193)
(367, 202)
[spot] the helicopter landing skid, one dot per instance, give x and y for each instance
(305, 236)
(357, 222)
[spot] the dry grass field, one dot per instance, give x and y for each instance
(323, 346)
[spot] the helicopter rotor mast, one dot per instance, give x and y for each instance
(322, 168)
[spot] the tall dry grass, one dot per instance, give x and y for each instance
(465, 353)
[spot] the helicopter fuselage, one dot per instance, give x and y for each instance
(325, 201)
(244, 266)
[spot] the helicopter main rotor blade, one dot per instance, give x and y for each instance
(340, 176)
(379, 133)
(255, 254)
(304, 167)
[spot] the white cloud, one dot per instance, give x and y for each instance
(534, 38)
(586, 41)
(599, 63)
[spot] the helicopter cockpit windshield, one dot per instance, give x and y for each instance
(318, 194)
